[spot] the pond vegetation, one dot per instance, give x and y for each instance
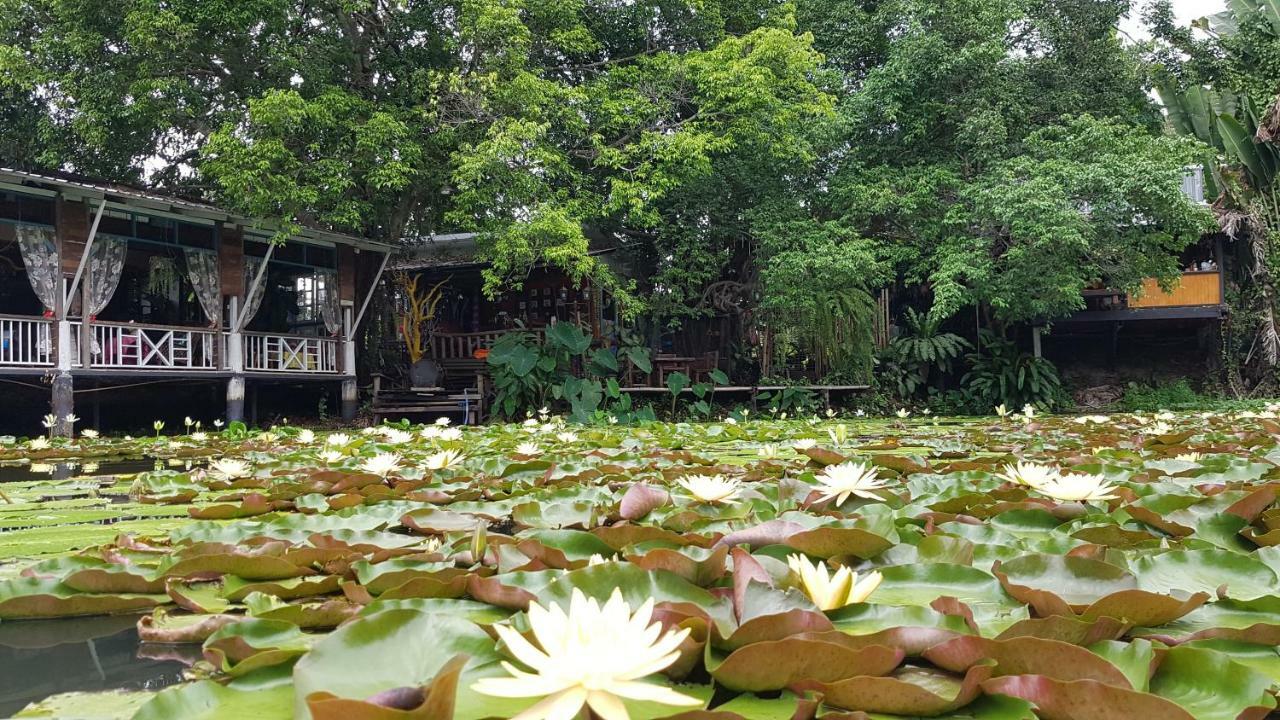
(1086, 567)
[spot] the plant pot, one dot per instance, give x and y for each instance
(424, 373)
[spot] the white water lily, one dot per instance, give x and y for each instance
(1029, 411)
(43, 468)
(198, 436)
(591, 655)
(849, 478)
(230, 468)
(382, 464)
(430, 432)
(710, 488)
(444, 459)
(860, 413)
(903, 413)
(767, 451)
(1073, 488)
(1165, 415)
(1029, 474)
(450, 434)
(49, 421)
(306, 437)
(1192, 457)
(217, 423)
(89, 434)
(1002, 411)
(393, 436)
(838, 434)
(331, 457)
(337, 440)
(805, 444)
(443, 420)
(828, 591)
(531, 422)
(1158, 428)
(567, 437)
(370, 430)
(527, 448)
(598, 559)
(730, 421)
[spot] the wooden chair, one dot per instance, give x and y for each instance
(702, 367)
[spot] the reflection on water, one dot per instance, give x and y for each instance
(46, 657)
(27, 472)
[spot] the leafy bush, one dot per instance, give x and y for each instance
(999, 373)
(1170, 396)
(908, 362)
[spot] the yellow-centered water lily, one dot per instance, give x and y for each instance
(382, 464)
(1076, 488)
(1029, 474)
(444, 459)
(829, 591)
(230, 469)
(849, 478)
(591, 655)
(710, 488)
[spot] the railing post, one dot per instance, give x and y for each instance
(349, 392)
(235, 363)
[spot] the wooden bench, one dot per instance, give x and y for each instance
(468, 403)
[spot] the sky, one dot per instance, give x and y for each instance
(1186, 11)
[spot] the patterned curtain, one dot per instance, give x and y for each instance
(40, 256)
(106, 262)
(250, 306)
(202, 273)
(330, 307)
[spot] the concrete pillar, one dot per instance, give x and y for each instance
(350, 399)
(63, 403)
(235, 398)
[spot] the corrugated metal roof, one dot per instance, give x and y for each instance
(77, 187)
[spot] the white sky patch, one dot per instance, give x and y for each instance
(1184, 10)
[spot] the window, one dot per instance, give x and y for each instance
(309, 289)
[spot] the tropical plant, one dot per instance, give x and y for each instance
(419, 312)
(1001, 374)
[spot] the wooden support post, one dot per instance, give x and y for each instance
(1035, 341)
(62, 401)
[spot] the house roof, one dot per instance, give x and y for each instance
(127, 197)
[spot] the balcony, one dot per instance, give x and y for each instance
(1196, 295)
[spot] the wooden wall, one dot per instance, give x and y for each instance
(72, 222)
(231, 261)
(1195, 288)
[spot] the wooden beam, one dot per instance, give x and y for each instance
(84, 256)
(369, 295)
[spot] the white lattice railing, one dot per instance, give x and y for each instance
(119, 345)
(26, 341)
(290, 353)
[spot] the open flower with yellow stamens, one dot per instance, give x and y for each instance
(444, 459)
(382, 464)
(1074, 488)
(1029, 474)
(710, 488)
(591, 655)
(230, 469)
(828, 591)
(849, 478)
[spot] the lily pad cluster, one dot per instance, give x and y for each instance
(1059, 567)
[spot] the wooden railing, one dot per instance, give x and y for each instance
(265, 352)
(123, 346)
(462, 346)
(1194, 288)
(26, 341)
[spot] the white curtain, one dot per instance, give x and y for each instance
(202, 273)
(253, 300)
(106, 263)
(330, 307)
(40, 256)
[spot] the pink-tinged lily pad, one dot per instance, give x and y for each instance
(1026, 656)
(777, 664)
(433, 701)
(909, 691)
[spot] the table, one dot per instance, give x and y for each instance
(667, 364)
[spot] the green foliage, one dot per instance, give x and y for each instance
(999, 373)
(1178, 395)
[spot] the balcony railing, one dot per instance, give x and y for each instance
(26, 341)
(122, 346)
(463, 346)
(290, 353)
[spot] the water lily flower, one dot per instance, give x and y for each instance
(1193, 457)
(926, 411)
(451, 434)
(443, 420)
(531, 422)
(903, 413)
(430, 432)
(544, 411)
(598, 559)
(849, 478)
(432, 544)
(768, 451)
(567, 437)
(188, 421)
(49, 421)
(197, 436)
(230, 468)
(158, 425)
(89, 434)
(217, 423)
(1029, 411)
(710, 488)
(805, 444)
(838, 434)
(42, 468)
(382, 464)
(337, 440)
(331, 457)
(90, 468)
(860, 412)
(1158, 428)
(1002, 411)
(306, 437)
(1072, 488)
(730, 421)
(527, 448)
(392, 436)
(830, 592)
(591, 655)
(444, 459)
(1029, 474)
(370, 430)
(38, 443)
